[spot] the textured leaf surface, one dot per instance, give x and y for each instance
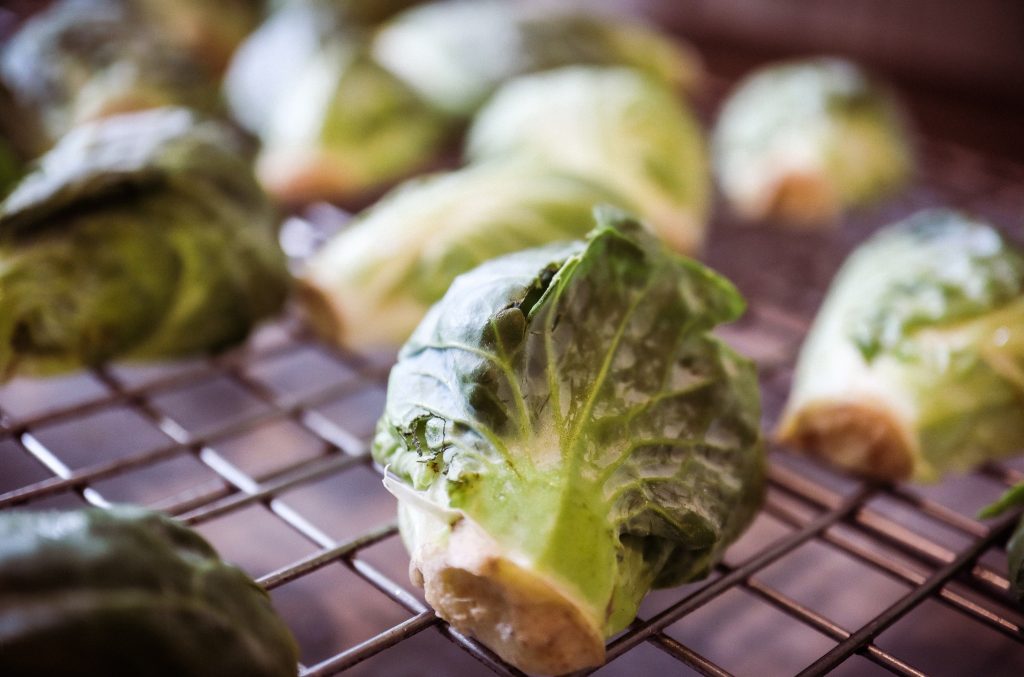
(945, 268)
(143, 235)
(922, 332)
(400, 256)
(616, 127)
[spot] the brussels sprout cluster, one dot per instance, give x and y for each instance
(563, 430)
(346, 102)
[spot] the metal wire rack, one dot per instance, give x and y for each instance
(264, 451)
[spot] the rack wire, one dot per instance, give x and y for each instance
(251, 447)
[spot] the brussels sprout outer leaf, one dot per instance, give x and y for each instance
(127, 591)
(571, 404)
(915, 364)
(944, 269)
(1012, 498)
(373, 283)
(167, 148)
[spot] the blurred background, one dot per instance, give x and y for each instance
(960, 64)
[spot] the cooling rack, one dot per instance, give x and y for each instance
(265, 451)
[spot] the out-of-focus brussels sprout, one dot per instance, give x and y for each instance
(343, 110)
(333, 122)
(614, 126)
(456, 52)
(345, 126)
(803, 141)
(566, 434)
(915, 364)
(274, 56)
(142, 235)
(372, 284)
(80, 61)
(126, 591)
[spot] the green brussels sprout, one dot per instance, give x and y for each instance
(614, 126)
(344, 127)
(126, 591)
(1013, 498)
(343, 109)
(79, 61)
(334, 124)
(142, 235)
(455, 53)
(274, 56)
(567, 433)
(915, 364)
(804, 141)
(373, 282)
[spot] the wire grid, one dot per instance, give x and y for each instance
(817, 505)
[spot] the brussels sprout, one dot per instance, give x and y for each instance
(343, 127)
(455, 53)
(566, 434)
(79, 61)
(142, 235)
(274, 56)
(334, 124)
(342, 110)
(915, 364)
(372, 284)
(1013, 498)
(126, 591)
(614, 126)
(803, 141)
